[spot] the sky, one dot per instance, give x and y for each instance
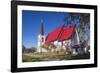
(31, 21)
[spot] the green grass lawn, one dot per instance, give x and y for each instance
(51, 56)
(26, 58)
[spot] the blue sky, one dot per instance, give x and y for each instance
(31, 21)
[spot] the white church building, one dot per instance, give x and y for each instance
(62, 38)
(41, 39)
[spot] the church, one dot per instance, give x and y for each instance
(61, 39)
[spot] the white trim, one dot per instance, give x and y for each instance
(53, 63)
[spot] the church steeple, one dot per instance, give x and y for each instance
(41, 38)
(41, 28)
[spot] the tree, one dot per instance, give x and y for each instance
(82, 22)
(23, 48)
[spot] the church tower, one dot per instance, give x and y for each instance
(41, 38)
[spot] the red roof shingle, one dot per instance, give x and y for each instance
(60, 34)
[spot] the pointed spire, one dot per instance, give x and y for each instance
(41, 28)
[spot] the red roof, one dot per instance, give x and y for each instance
(53, 36)
(67, 33)
(60, 34)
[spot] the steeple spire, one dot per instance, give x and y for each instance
(41, 28)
